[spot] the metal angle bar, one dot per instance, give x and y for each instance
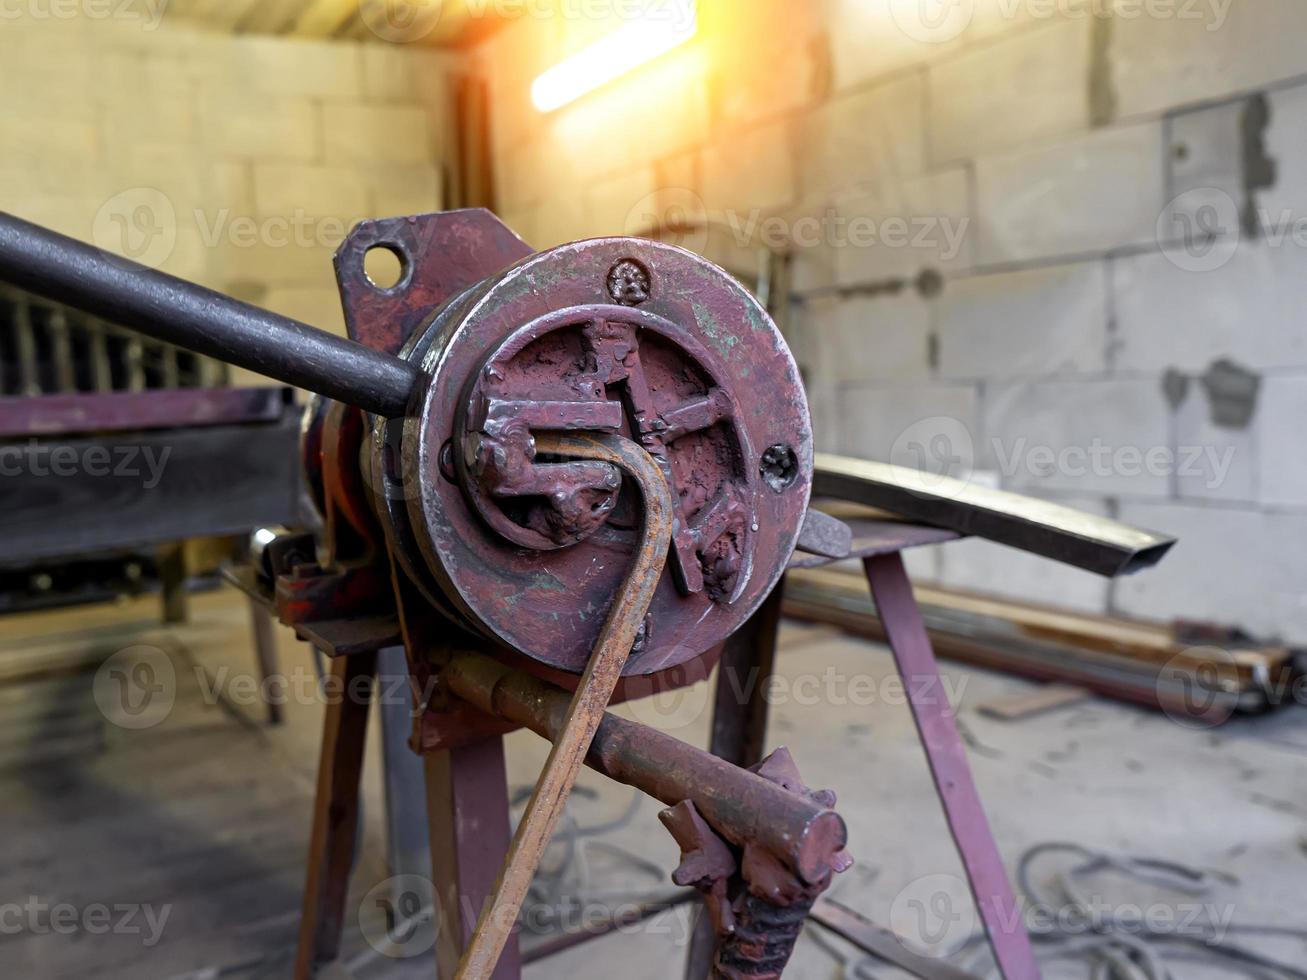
(1097, 544)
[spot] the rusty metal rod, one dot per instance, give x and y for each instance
(585, 709)
(182, 313)
(740, 805)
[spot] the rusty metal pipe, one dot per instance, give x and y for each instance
(741, 806)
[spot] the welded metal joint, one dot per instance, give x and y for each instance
(758, 901)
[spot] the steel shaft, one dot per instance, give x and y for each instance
(182, 313)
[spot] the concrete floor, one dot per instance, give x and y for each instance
(1107, 776)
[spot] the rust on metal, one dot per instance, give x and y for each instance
(586, 710)
(757, 902)
(740, 805)
(526, 548)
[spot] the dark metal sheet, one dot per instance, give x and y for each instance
(123, 411)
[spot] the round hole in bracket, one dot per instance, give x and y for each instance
(779, 467)
(385, 266)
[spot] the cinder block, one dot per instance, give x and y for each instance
(928, 426)
(1283, 206)
(22, 184)
(1213, 462)
(289, 189)
(1231, 565)
(317, 305)
(775, 61)
(1281, 413)
(900, 227)
(523, 222)
(510, 60)
(812, 264)
(1079, 436)
(559, 218)
(1247, 310)
(51, 91)
(805, 338)
(29, 140)
(622, 205)
(1048, 320)
(361, 133)
(266, 128)
(232, 184)
(299, 260)
(1084, 196)
(68, 214)
(869, 338)
(1202, 52)
(1026, 87)
(194, 255)
(661, 111)
(731, 247)
(874, 38)
(976, 565)
(179, 171)
(157, 118)
(1205, 155)
(404, 73)
(519, 171)
(750, 169)
(296, 66)
(400, 190)
(876, 134)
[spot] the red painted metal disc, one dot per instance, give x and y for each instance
(618, 335)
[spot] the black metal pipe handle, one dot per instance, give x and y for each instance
(202, 320)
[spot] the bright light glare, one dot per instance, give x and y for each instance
(638, 42)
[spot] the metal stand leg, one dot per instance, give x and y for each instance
(265, 649)
(739, 730)
(948, 765)
(408, 849)
(172, 580)
(335, 812)
(467, 806)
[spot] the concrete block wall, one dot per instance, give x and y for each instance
(237, 161)
(1056, 246)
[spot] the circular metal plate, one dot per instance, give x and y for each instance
(630, 336)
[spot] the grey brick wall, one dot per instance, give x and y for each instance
(1059, 247)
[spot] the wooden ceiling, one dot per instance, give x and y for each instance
(457, 21)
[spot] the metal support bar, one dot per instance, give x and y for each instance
(739, 730)
(408, 848)
(948, 766)
(468, 813)
(177, 312)
(172, 582)
(265, 650)
(335, 813)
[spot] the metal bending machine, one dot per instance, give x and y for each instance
(561, 480)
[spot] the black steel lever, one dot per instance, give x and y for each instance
(184, 314)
